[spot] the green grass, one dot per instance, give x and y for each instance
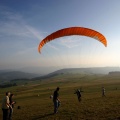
(92, 106)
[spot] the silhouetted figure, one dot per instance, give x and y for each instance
(56, 100)
(103, 91)
(12, 106)
(78, 92)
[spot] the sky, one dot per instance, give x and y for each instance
(24, 23)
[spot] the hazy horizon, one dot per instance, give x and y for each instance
(47, 70)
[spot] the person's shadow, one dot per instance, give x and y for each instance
(118, 118)
(42, 116)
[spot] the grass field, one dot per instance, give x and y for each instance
(34, 98)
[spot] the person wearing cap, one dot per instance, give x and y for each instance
(56, 100)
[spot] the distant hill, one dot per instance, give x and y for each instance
(10, 75)
(115, 73)
(94, 70)
(6, 76)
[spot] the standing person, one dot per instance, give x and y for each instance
(5, 106)
(103, 91)
(56, 100)
(78, 94)
(12, 106)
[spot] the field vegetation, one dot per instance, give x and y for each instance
(35, 103)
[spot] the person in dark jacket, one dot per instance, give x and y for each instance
(103, 92)
(78, 92)
(56, 100)
(12, 106)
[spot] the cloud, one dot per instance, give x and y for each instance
(12, 25)
(26, 51)
(35, 32)
(70, 42)
(16, 34)
(52, 46)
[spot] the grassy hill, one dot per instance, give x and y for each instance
(35, 102)
(85, 71)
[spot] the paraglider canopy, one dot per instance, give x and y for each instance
(73, 31)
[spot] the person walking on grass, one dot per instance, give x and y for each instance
(78, 92)
(5, 106)
(103, 92)
(56, 100)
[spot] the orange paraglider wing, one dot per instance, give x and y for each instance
(73, 31)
